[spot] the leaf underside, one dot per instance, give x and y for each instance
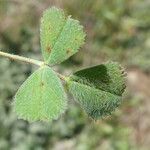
(41, 97)
(61, 36)
(98, 89)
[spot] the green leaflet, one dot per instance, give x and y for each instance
(41, 97)
(98, 89)
(107, 77)
(61, 36)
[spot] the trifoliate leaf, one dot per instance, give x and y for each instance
(61, 36)
(41, 97)
(98, 89)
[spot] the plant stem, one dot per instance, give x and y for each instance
(20, 58)
(28, 60)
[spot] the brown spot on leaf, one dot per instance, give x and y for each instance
(68, 51)
(48, 49)
(42, 84)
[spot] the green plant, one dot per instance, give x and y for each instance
(42, 97)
